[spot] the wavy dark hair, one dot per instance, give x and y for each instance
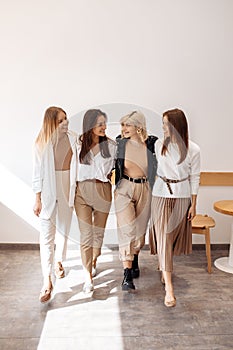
(89, 122)
(178, 131)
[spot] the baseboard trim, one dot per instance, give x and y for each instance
(36, 246)
(222, 246)
(19, 246)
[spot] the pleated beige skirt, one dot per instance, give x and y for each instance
(170, 232)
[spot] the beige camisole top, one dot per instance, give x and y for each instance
(62, 153)
(135, 159)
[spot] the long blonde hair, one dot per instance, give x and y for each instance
(49, 127)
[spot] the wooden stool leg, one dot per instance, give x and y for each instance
(208, 250)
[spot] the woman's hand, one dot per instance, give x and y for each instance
(38, 205)
(192, 212)
(192, 209)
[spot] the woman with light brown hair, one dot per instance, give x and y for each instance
(96, 156)
(54, 174)
(135, 171)
(174, 196)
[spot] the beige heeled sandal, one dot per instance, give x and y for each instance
(170, 303)
(59, 270)
(45, 294)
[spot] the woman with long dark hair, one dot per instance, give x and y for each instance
(96, 154)
(174, 196)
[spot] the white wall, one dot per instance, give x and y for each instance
(77, 54)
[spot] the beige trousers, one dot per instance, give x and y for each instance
(132, 205)
(92, 204)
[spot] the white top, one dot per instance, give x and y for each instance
(168, 167)
(99, 167)
(44, 178)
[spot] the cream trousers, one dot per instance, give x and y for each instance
(56, 228)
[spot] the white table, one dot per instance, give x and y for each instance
(226, 263)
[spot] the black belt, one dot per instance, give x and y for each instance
(137, 180)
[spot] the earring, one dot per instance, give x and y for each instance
(139, 131)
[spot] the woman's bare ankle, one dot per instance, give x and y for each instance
(47, 281)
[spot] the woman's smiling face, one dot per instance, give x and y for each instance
(128, 130)
(100, 127)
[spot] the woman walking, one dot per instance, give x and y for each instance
(54, 175)
(96, 156)
(174, 196)
(135, 176)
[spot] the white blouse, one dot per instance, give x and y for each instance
(168, 167)
(99, 167)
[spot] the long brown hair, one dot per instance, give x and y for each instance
(178, 131)
(49, 126)
(89, 122)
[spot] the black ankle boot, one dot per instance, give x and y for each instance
(127, 283)
(135, 267)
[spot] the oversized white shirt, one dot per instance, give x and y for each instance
(168, 167)
(44, 178)
(99, 167)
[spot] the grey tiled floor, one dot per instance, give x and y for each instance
(109, 318)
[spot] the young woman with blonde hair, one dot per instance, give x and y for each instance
(54, 174)
(174, 196)
(135, 171)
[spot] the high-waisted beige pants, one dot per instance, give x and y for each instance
(132, 205)
(92, 204)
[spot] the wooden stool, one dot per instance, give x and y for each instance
(201, 224)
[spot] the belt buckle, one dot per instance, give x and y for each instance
(144, 179)
(141, 179)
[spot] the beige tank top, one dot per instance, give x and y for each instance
(62, 153)
(135, 159)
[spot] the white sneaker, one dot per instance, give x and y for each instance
(88, 287)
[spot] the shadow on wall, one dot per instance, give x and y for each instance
(18, 223)
(14, 229)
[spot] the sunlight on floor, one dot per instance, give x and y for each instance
(76, 320)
